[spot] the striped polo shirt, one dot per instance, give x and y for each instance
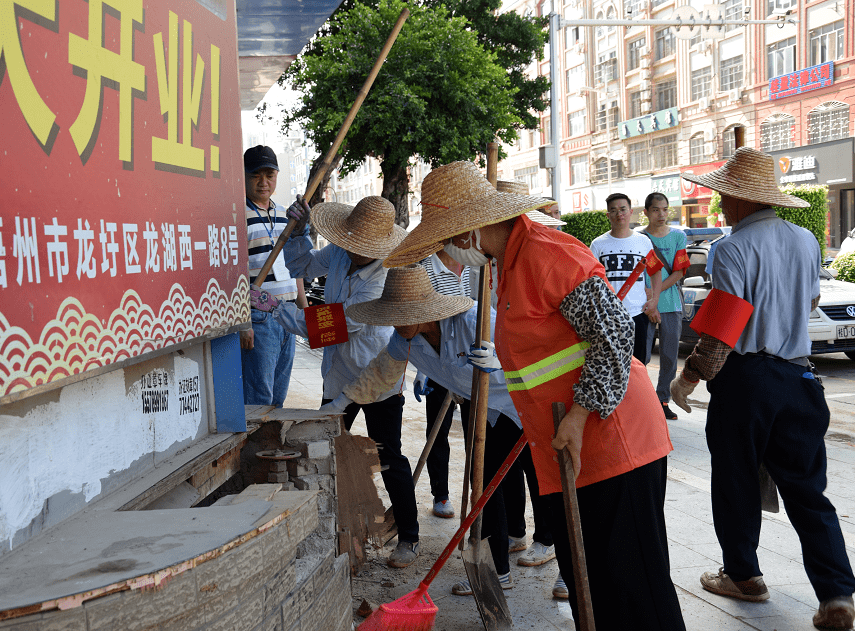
(260, 245)
(445, 281)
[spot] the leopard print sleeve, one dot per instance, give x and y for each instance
(594, 310)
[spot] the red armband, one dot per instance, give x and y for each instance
(681, 260)
(723, 316)
(652, 263)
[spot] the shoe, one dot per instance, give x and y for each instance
(463, 588)
(537, 554)
(668, 413)
(443, 508)
(516, 544)
(835, 613)
(404, 554)
(560, 589)
(753, 590)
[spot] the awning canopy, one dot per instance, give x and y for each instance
(271, 33)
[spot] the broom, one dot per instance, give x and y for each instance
(415, 611)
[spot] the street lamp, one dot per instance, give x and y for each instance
(607, 95)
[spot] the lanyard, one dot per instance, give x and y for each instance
(264, 223)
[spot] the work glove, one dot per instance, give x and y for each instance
(483, 357)
(681, 388)
(261, 299)
(420, 387)
(337, 405)
(299, 211)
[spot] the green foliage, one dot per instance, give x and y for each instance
(586, 226)
(845, 266)
(439, 95)
(812, 218)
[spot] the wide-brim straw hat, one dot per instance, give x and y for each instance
(750, 175)
(408, 298)
(457, 198)
(537, 216)
(367, 229)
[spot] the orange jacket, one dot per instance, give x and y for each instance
(542, 356)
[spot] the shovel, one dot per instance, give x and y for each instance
(574, 529)
(477, 559)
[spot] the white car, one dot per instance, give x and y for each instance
(831, 325)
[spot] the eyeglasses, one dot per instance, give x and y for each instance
(620, 211)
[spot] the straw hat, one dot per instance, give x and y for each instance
(537, 216)
(368, 229)
(408, 298)
(457, 198)
(750, 175)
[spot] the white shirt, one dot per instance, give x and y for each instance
(619, 257)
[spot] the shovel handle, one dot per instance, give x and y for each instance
(476, 510)
(434, 432)
(574, 528)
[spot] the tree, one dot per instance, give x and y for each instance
(440, 95)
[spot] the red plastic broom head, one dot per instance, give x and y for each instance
(412, 612)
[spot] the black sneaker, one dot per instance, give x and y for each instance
(668, 413)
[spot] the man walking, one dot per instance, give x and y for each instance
(766, 404)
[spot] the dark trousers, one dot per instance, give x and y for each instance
(763, 410)
(437, 460)
(383, 420)
(514, 495)
(626, 548)
(499, 442)
(641, 350)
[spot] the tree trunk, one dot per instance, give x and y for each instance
(396, 188)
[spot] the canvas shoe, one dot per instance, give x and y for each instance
(835, 613)
(404, 554)
(443, 508)
(537, 554)
(463, 588)
(753, 590)
(516, 544)
(669, 413)
(560, 589)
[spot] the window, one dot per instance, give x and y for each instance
(781, 57)
(635, 7)
(733, 11)
(571, 36)
(634, 53)
(828, 121)
(575, 77)
(601, 30)
(635, 104)
(638, 155)
(728, 141)
(664, 151)
(578, 170)
(731, 73)
(697, 150)
(656, 3)
(546, 130)
(576, 123)
(666, 94)
(776, 132)
(612, 117)
(665, 42)
(826, 43)
(780, 4)
(701, 83)
(610, 15)
(528, 176)
(601, 170)
(606, 68)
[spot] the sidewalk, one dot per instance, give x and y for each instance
(693, 545)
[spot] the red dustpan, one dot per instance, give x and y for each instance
(415, 611)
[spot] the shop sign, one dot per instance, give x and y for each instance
(801, 81)
(797, 169)
(581, 201)
(122, 227)
(690, 190)
(663, 119)
(824, 163)
(669, 186)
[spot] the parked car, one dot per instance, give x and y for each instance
(831, 325)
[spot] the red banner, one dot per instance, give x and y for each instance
(690, 190)
(326, 324)
(123, 226)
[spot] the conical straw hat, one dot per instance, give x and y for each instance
(408, 298)
(750, 175)
(538, 216)
(457, 198)
(368, 229)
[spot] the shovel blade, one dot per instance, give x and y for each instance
(486, 589)
(768, 491)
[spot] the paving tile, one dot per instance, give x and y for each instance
(700, 615)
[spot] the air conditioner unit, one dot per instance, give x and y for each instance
(644, 51)
(645, 86)
(734, 96)
(645, 62)
(645, 107)
(704, 103)
(708, 135)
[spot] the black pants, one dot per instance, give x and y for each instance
(641, 349)
(499, 442)
(514, 495)
(437, 460)
(626, 548)
(383, 420)
(763, 409)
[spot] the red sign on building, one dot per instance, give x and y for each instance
(121, 230)
(690, 190)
